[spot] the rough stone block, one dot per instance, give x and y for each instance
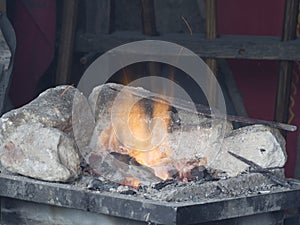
(36, 140)
(261, 144)
(53, 108)
(40, 152)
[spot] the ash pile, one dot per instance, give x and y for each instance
(131, 141)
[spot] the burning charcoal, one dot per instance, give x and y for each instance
(125, 158)
(128, 192)
(95, 184)
(199, 173)
(175, 173)
(214, 175)
(99, 185)
(85, 167)
(185, 172)
(163, 184)
(121, 157)
(175, 120)
(214, 192)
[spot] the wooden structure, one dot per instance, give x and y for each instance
(207, 46)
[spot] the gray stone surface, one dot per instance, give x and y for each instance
(258, 143)
(53, 108)
(83, 122)
(40, 152)
(36, 140)
(240, 186)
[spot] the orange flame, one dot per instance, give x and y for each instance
(140, 127)
(131, 182)
(144, 137)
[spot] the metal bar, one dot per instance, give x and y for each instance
(274, 124)
(203, 110)
(276, 179)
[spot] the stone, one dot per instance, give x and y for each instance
(261, 144)
(83, 122)
(40, 152)
(53, 108)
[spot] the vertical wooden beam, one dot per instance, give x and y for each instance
(211, 29)
(148, 18)
(99, 16)
(66, 45)
(211, 34)
(286, 67)
(149, 28)
(3, 6)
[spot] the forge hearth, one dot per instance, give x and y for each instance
(28, 201)
(90, 167)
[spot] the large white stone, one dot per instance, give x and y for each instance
(52, 108)
(40, 152)
(261, 144)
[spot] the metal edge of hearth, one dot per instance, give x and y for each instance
(131, 207)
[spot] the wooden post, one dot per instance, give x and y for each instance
(66, 45)
(148, 18)
(99, 16)
(211, 34)
(3, 6)
(286, 67)
(211, 29)
(149, 29)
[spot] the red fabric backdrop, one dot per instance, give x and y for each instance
(256, 79)
(34, 22)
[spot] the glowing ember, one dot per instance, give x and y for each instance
(131, 182)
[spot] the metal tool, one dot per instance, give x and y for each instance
(203, 110)
(266, 172)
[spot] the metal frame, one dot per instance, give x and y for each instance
(135, 208)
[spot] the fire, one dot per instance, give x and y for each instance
(156, 155)
(139, 129)
(141, 134)
(131, 182)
